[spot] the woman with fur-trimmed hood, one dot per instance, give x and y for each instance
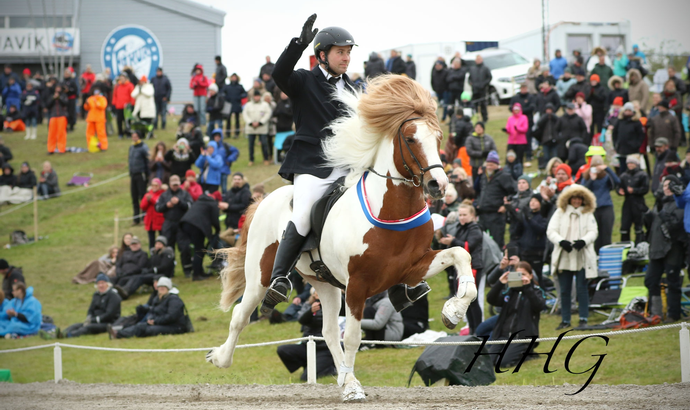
(573, 231)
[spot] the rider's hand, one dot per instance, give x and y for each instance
(308, 34)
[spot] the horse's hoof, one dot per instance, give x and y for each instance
(447, 323)
(209, 355)
(353, 392)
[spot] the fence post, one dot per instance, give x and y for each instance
(117, 225)
(684, 353)
(57, 362)
(35, 215)
(311, 361)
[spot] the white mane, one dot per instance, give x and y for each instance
(351, 146)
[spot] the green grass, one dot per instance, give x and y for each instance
(79, 228)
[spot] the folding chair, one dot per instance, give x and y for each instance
(613, 293)
(80, 179)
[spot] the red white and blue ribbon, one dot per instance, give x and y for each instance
(418, 219)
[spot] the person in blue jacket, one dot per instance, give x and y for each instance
(210, 164)
(24, 315)
(228, 153)
(558, 65)
(12, 94)
(601, 180)
(234, 93)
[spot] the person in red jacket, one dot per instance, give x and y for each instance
(86, 81)
(190, 185)
(199, 83)
(153, 220)
(122, 95)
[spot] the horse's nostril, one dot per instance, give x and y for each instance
(433, 184)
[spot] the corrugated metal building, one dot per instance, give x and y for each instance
(175, 34)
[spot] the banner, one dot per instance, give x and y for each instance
(132, 46)
(40, 41)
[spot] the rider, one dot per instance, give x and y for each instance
(313, 109)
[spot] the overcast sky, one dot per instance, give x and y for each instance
(254, 29)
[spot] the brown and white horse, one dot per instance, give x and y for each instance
(392, 130)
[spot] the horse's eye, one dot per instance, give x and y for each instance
(410, 140)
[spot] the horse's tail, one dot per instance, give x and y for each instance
(232, 276)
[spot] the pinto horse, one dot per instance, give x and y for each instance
(389, 141)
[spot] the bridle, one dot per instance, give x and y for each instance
(415, 179)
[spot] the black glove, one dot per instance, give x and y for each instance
(665, 231)
(307, 33)
(566, 245)
(579, 244)
(675, 185)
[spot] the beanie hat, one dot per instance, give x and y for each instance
(548, 106)
(102, 277)
(570, 106)
(26, 71)
(566, 168)
(632, 159)
(511, 153)
(493, 157)
(190, 173)
(580, 94)
(459, 161)
(480, 124)
(664, 103)
(156, 181)
(165, 282)
(537, 196)
(4, 264)
(135, 240)
(143, 79)
(594, 77)
(517, 105)
(162, 239)
(618, 101)
(629, 106)
(526, 178)
(213, 87)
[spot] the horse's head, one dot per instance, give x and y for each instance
(416, 155)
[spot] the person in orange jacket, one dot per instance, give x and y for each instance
(95, 120)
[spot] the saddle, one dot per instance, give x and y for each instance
(319, 213)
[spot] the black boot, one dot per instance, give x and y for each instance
(286, 259)
(402, 296)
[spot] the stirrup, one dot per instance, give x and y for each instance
(274, 295)
(402, 296)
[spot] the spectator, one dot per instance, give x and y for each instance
(480, 78)
(267, 68)
(294, 356)
(532, 74)
(516, 203)
(138, 173)
(563, 180)
(104, 310)
(375, 66)
(520, 310)
(268, 99)
(161, 96)
(546, 77)
(597, 99)
(517, 127)
(257, 114)
(563, 85)
(478, 146)
(620, 63)
(576, 152)
(153, 220)
(180, 157)
(462, 184)
(129, 265)
(283, 113)
(395, 64)
(214, 107)
(6, 75)
(165, 317)
(161, 263)
(228, 154)
(573, 230)
(665, 125)
(199, 83)
(380, 320)
(104, 264)
(95, 121)
(603, 71)
(634, 186)
(628, 134)
(234, 93)
(601, 180)
(494, 185)
(616, 89)
(558, 65)
(667, 246)
(31, 103)
(547, 96)
(124, 244)
(570, 126)
(221, 73)
(677, 81)
(10, 276)
(529, 105)
(654, 111)
(614, 112)
(455, 82)
(12, 93)
(48, 186)
(210, 164)
(173, 204)
(581, 85)
(122, 97)
(547, 134)
(234, 204)
(14, 120)
(144, 103)
(269, 84)
(5, 153)
(196, 226)
(411, 67)
(531, 230)
(438, 83)
(462, 129)
(663, 154)
(257, 85)
(584, 111)
(159, 166)
(638, 90)
(450, 201)
(191, 186)
(86, 81)
(513, 167)
(70, 87)
(675, 102)
(26, 178)
(23, 316)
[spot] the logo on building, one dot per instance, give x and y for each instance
(133, 46)
(63, 41)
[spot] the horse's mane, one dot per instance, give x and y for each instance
(372, 116)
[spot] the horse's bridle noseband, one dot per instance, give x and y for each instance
(415, 179)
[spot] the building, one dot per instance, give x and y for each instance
(48, 35)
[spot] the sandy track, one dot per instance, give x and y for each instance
(69, 395)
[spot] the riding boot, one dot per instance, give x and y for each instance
(286, 258)
(403, 296)
(656, 309)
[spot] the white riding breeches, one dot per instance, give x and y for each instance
(307, 190)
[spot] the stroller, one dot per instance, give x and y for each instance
(143, 126)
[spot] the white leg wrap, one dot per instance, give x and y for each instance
(344, 370)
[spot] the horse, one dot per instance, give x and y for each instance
(389, 140)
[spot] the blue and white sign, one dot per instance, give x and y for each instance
(133, 46)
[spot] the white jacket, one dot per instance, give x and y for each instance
(260, 112)
(144, 105)
(588, 232)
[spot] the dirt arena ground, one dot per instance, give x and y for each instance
(68, 395)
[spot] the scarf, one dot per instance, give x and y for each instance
(562, 185)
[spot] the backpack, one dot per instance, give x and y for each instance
(18, 238)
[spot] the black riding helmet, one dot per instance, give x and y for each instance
(329, 37)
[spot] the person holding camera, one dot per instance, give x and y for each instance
(521, 303)
(180, 157)
(573, 231)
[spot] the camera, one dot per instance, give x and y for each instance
(514, 279)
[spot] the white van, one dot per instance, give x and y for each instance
(508, 71)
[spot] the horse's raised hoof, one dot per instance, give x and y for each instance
(353, 392)
(447, 323)
(212, 357)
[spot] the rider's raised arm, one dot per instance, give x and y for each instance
(284, 74)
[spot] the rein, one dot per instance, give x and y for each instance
(415, 179)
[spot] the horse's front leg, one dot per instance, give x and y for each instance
(456, 307)
(352, 389)
(330, 297)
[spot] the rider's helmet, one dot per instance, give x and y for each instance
(329, 37)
